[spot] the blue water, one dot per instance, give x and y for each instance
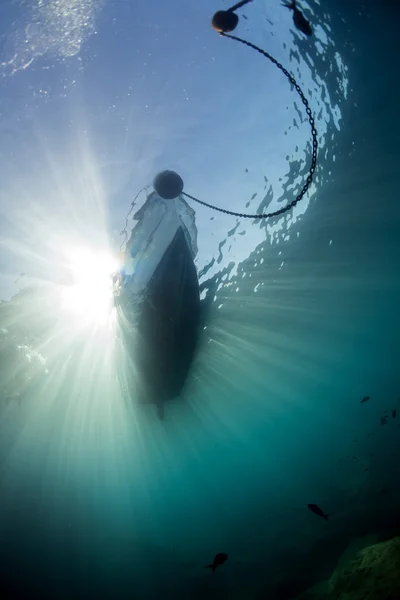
(98, 500)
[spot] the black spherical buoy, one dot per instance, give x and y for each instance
(224, 21)
(168, 184)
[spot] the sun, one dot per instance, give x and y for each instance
(89, 298)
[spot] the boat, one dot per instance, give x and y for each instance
(158, 299)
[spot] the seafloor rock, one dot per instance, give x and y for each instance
(372, 573)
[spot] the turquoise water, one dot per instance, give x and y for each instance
(102, 500)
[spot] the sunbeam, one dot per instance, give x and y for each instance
(89, 298)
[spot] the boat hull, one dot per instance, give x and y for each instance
(167, 324)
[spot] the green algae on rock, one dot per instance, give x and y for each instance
(370, 573)
(373, 574)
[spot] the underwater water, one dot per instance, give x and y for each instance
(101, 499)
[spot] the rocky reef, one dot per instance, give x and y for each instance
(370, 573)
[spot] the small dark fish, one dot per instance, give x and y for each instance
(394, 413)
(219, 560)
(318, 511)
(365, 399)
(298, 18)
(384, 420)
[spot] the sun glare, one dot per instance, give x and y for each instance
(89, 297)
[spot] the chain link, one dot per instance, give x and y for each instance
(238, 5)
(313, 165)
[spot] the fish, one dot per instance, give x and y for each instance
(394, 413)
(384, 420)
(298, 18)
(365, 399)
(318, 511)
(219, 560)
